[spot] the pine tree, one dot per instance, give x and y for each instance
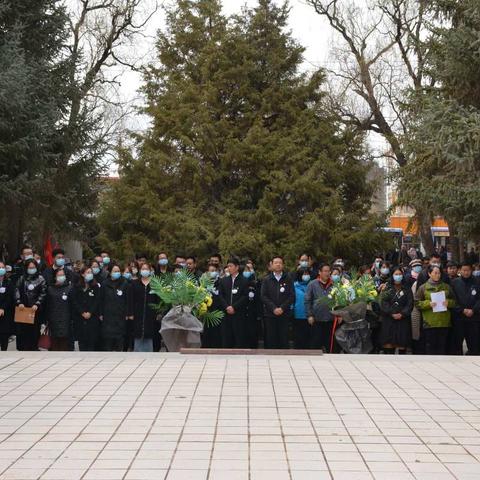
(240, 156)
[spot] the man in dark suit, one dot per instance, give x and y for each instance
(233, 298)
(278, 296)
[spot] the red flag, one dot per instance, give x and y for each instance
(47, 250)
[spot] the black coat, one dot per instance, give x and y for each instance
(49, 275)
(86, 300)
(233, 293)
(467, 294)
(393, 301)
(144, 317)
(30, 290)
(277, 294)
(7, 304)
(114, 307)
(58, 313)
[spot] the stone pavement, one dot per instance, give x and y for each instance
(192, 417)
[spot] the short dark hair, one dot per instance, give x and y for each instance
(435, 255)
(191, 257)
(301, 272)
(26, 247)
(233, 261)
(452, 264)
(57, 251)
(322, 265)
(465, 263)
(277, 256)
(216, 255)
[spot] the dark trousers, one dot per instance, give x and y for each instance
(27, 337)
(88, 345)
(113, 344)
(464, 329)
(302, 332)
(4, 341)
(212, 337)
(276, 332)
(436, 340)
(322, 336)
(252, 331)
(60, 344)
(234, 331)
(156, 337)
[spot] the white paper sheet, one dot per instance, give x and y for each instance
(438, 298)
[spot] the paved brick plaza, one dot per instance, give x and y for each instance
(155, 416)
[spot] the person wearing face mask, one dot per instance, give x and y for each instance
(58, 263)
(436, 324)
(85, 310)
(58, 312)
(105, 263)
(162, 264)
(114, 309)
(212, 335)
(476, 273)
(30, 291)
(134, 269)
(302, 330)
(396, 303)
(98, 273)
(7, 327)
(376, 266)
(381, 281)
(143, 316)
(414, 269)
(254, 307)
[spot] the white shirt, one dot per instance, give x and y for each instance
(278, 276)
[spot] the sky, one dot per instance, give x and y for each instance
(307, 27)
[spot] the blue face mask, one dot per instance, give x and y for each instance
(3, 271)
(384, 271)
(304, 264)
(335, 278)
(247, 274)
(32, 271)
(116, 275)
(145, 273)
(96, 270)
(89, 277)
(28, 257)
(163, 262)
(59, 262)
(397, 278)
(106, 260)
(61, 279)
(417, 268)
(306, 278)
(127, 275)
(476, 273)
(213, 275)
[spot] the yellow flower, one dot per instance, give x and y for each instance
(209, 301)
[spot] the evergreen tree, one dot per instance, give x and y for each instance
(240, 156)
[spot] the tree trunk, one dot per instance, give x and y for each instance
(455, 242)
(425, 229)
(14, 229)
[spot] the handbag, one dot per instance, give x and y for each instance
(45, 340)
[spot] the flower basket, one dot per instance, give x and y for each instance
(353, 335)
(181, 329)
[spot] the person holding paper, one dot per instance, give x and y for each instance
(435, 299)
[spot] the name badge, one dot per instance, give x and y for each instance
(119, 293)
(474, 292)
(91, 294)
(3, 289)
(282, 289)
(215, 292)
(235, 291)
(401, 293)
(251, 295)
(31, 287)
(64, 297)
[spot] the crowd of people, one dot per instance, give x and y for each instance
(105, 305)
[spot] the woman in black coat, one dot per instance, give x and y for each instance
(212, 335)
(58, 312)
(114, 308)
(85, 310)
(144, 317)
(396, 304)
(30, 291)
(7, 294)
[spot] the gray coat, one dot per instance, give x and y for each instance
(315, 291)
